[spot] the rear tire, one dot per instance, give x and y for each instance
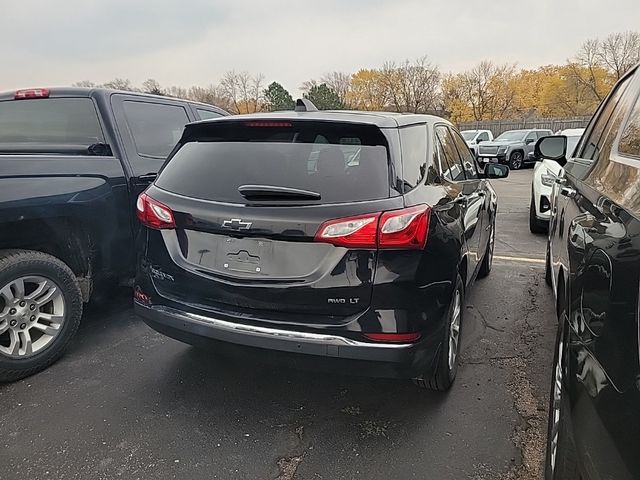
(547, 268)
(41, 338)
(487, 260)
(561, 460)
(535, 225)
(447, 361)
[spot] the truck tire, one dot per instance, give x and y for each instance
(40, 311)
(516, 160)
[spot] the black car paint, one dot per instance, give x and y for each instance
(410, 290)
(595, 258)
(45, 196)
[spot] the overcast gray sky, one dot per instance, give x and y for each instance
(193, 42)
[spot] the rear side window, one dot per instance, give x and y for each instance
(468, 162)
(50, 121)
(155, 127)
(414, 153)
(630, 139)
(207, 114)
(449, 158)
(341, 162)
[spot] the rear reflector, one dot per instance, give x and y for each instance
(32, 93)
(392, 337)
(154, 214)
(267, 124)
(141, 296)
(398, 229)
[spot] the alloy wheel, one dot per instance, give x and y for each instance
(556, 408)
(454, 330)
(516, 160)
(32, 312)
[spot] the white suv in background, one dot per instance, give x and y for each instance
(476, 137)
(544, 175)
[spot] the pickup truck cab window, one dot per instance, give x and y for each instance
(155, 128)
(483, 137)
(50, 121)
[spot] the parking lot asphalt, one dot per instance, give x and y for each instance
(126, 402)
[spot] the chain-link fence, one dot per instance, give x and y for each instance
(499, 126)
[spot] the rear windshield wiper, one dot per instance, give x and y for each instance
(272, 192)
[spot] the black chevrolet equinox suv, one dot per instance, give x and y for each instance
(349, 237)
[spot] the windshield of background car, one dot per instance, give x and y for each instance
(468, 135)
(512, 136)
(340, 161)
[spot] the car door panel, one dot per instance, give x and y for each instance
(595, 235)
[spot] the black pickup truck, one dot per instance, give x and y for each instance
(72, 163)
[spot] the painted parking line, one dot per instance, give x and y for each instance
(519, 259)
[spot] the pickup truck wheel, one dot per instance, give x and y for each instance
(447, 362)
(516, 160)
(40, 311)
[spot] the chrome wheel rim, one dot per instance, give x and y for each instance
(492, 241)
(454, 330)
(556, 408)
(516, 160)
(32, 312)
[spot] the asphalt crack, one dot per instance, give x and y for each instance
(288, 465)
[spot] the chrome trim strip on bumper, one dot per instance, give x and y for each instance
(268, 332)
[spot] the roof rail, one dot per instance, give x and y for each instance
(305, 105)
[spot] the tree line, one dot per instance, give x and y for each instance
(487, 91)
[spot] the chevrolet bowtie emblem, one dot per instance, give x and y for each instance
(236, 224)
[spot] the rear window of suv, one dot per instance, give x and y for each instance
(341, 162)
(50, 121)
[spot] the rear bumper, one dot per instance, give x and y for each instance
(379, 360)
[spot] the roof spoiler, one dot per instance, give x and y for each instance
(305, 105)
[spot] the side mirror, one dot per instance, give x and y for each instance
(496, 170)
(529, 141)
(552, 148)
(479, 141)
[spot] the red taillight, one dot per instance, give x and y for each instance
(142, 297)
(154, 214)
(406, 228)
(352, 232)
(32, 93)
(400, 229)
(392, 337)
(270, 124)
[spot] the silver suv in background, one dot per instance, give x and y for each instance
(511, 147)
(475, 138)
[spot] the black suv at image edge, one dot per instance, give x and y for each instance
(593, 265)
(341, 236)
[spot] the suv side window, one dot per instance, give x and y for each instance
(630, 139)
(207, 114)
(468, 162)
(414, 154)
(544, 133)
(531, 137)
(155, 127)
(591, 145)
(484, 137)
(449, 158)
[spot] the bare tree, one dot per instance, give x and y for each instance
(243, 91)
(308, 85)
(121, 84)
(85, 84)
(152, 86)
(340, 83)
(177, 92)
(619, 52)
(211, 95)
(412, 86)
(586, 67)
